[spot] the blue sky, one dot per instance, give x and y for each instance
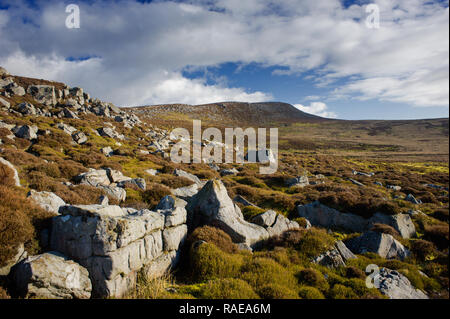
(317, 55)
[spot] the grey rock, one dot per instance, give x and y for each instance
(113, 191)
(47, 200)
(51, 276)
(26, 108)
(212, 205)
(93, 177)
(3, 72)
(110, 132)
(394, 187)
(243, 201)
(185, 192)
(266, 219)
(300, 181)
(324, 216)
(397, 286)
(44, 94)
(69, 114)
(226, 172)
(107, 151)
(191, 177)
(174, 237)
(139, 182)
(4, 103)
(103, 200)
(79, 137)
(400, 222)
(412, 199)
(66, 128)
(27, 132)
(356, 182)
(151, 171)
(15, 89)
(382, 244)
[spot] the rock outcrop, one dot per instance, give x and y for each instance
(115, 243)
(51, 276)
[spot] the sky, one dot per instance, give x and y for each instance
(325, 57)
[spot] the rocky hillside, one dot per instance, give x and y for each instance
(231, 112)
(89, 195)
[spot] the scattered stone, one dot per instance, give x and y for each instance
(397, 286)
(382, 244)
(151, 171)
(66, 128)
(226, 172)
(412, 199)
(324, 216)
(27, 108)
(400, 222)
(107, 151)
(110, 132)
(113, 191)
(186, 192)
(47, 200)
(139, 182)
(363, 174)
(394, 187)
(243, 201)
(189, 176)
(300, 181)
(51, 276)
(356, 182)
(378, 183)
(79, 138)
(4, 103)
(27, 132)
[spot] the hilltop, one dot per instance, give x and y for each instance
(88, 194)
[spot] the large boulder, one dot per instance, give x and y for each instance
(51, 276)
(4, 103)
(186, 192)
(3, 72)
(47, 200)
(212, 206)
(327, 217)
(110, 132)
(400, 222)
(93, 177)
(26, 131)
(397, 286)
(324, 216)
(44, 94)
(11, 166)
(382, 244)
(26, 108)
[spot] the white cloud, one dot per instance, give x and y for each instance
(316, 108)
(143, 48)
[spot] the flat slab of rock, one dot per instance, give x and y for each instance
(51, 275)
(189, 176)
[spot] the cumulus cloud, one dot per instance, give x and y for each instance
(141, 49)
(316, 108)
